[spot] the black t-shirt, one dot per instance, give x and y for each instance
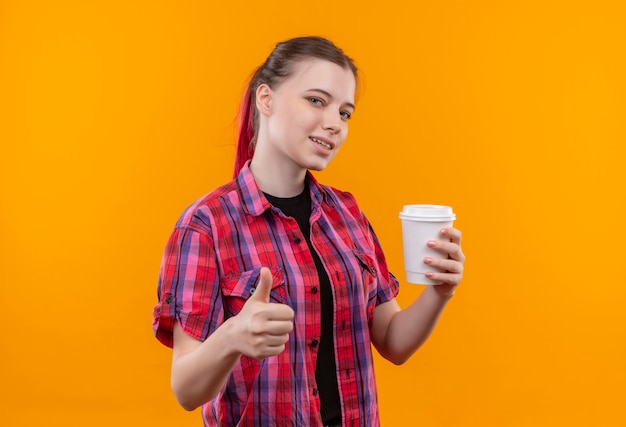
(299, 208)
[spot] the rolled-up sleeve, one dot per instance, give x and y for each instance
(388, 285)
(188, 287)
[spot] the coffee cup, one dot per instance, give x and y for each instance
(421, 223)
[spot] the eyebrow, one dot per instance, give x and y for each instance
(322, 91)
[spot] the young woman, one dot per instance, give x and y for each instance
(273, 286)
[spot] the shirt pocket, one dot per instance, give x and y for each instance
(368, 275)
(236, 289)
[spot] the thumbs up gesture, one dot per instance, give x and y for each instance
(261, 328)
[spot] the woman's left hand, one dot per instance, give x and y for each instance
(451, 265)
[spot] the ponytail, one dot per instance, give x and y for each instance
(246, 136)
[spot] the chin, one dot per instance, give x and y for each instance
(317, 164)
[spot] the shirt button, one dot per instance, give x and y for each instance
(314, 343)
(314, 290)
(252, 290)
(315, 392)
(169, 299)
(372, 270)
(297, 240)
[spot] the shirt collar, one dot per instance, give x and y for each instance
(255, 203)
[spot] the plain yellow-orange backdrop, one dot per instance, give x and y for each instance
(115, 115)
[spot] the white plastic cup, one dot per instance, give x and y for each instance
(421, 223)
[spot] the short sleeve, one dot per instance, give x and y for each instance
(188, 289)
(388, 285)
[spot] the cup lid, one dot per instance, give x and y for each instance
(431, 213)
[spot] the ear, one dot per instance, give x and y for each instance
(263, 97)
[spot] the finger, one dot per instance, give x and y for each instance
(278, 328)
(279, 312)
(264, 287)
(449, 249)
(270, 351)
(447, 278)
(451, 234)
(268, 345)
(445, 265)
(266, 340)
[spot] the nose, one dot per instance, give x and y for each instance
(332, 128)
(333, 122)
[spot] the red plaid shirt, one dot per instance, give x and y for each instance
(213, 260)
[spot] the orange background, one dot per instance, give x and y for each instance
(114, 116)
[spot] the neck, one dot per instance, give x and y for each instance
(280, 179)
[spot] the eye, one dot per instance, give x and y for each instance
(346, 115)
(315, 100)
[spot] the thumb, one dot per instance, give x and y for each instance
(263, 288)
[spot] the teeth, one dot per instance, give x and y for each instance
(322, 143)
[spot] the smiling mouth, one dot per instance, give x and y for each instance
(322, 143)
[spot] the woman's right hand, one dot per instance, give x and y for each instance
(262, 328)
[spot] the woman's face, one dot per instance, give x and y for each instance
(306, 116)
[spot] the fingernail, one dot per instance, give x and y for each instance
(429, 275)
(444, 231)
(431, 243)
(428, 260)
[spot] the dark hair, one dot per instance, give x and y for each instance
(276, 69)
